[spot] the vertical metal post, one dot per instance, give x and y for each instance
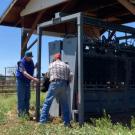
(38, 75)
(23, 37)
(5, 72)
(127, 84)
(80, 69)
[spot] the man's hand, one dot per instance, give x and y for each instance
(30, 77)
(36, 80)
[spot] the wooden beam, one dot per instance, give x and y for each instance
(87, 13)
(23, 37)
(7, 10)
(38, 5)
(111, 19)
(112, 12)
(32, 44)
(132, 1)
(32, 30)
(110, 5)
(127, 5)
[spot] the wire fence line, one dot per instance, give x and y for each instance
(7, 71)
(8, 80)
(8, 84)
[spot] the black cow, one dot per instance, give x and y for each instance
(46, 82)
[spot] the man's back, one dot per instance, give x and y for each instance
(59, 70)
(59, 74)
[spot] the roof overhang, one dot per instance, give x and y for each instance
(23, 13)
(38, 5)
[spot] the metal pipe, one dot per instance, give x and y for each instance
(106, 25)
(59, 20)
(79, 18)
(80, 69)
(125, 37)
(5, 72)
(38, 75)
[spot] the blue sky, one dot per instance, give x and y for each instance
(10, 46)
(10, 43)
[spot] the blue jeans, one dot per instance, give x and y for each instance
(56, 89)
(23, 97)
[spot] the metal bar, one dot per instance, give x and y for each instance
(70, 17)
(80, 69)
(106, 25)
(79, 18)
(5, 71)
(111, 35)
(126, 37)
(45, 24)
(34, 42)
(38, 75)
(61, 20)
(127, 83)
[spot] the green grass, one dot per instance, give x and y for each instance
(11, 125)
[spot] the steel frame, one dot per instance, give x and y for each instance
(80, 20)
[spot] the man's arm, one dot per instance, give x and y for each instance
(30, 77)
(23, 70)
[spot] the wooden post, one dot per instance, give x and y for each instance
(23, 37)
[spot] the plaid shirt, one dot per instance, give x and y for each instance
(59, 70)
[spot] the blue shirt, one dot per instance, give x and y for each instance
(27, 66)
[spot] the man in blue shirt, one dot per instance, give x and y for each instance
(24, 75)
